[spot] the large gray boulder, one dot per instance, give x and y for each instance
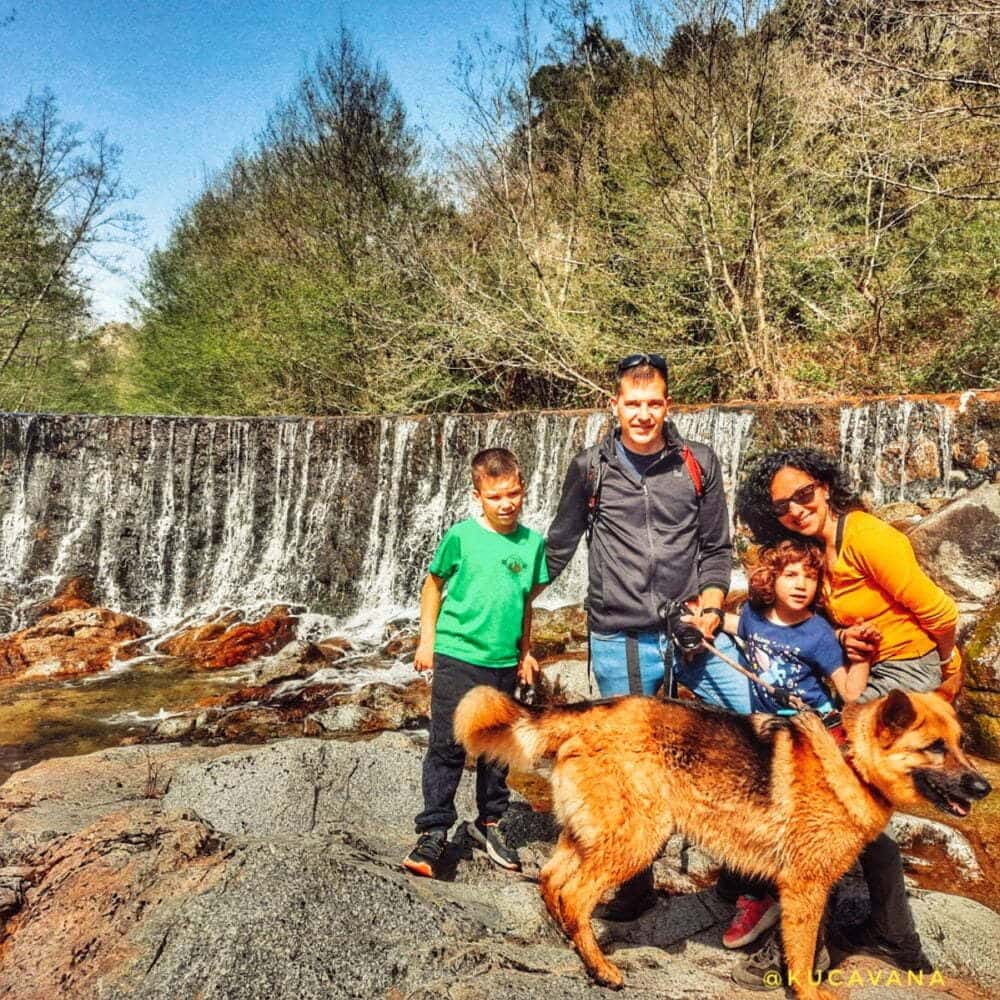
(302, 785)
(959, 545)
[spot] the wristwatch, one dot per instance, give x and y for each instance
(718, 612)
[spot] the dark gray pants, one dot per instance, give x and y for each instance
(882, 866)
(445, 759)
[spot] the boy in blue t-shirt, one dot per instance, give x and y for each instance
(475, 628)
(787, 645)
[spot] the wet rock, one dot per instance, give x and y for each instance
(400, 645)
(923, 460)
(292, 662)
(253, 724)
(174, 728)
(344, 719)
(957, 545)
(979, 705)
(910, 460)
(67, 643)
(72, 594)
(398, 626)
(926, 844)
(335, 648)
(374, 708)
(217, 645)
(555, 632)
(565, 680)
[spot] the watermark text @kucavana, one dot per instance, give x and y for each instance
(859, 977)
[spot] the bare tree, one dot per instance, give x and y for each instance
(61, 202)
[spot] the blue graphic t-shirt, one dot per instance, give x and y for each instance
(790, 656)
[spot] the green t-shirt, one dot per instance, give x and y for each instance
(488, 578)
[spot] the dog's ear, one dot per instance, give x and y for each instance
(895, 715)
(950, 687)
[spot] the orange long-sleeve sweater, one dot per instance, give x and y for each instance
(877, 580)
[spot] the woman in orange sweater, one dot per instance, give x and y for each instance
(891, 618)
(888, 613)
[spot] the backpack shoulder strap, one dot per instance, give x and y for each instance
(596, 465)
(694, 470)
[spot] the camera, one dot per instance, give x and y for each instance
(685, 635)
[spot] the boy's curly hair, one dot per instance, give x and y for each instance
(753, 498)
(772, 559)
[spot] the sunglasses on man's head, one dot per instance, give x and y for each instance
(802, 496)
(656, 361)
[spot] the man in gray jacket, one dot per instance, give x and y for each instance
(654, 509)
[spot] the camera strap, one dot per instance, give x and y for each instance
(669, 679)
(632, 664)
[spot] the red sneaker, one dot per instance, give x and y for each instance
(752, 918)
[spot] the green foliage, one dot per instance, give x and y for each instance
(60, 196)
(791, 199)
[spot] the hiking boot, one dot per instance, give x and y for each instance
(765, 968)
(426, 856)
(488, 836)
(634, 898)
(864, 940)
(752, 918)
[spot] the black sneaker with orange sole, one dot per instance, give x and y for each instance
(489, 837)
(425, 858)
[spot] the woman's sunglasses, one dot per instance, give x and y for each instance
(802, 496)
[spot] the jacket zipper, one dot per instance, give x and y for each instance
(652, 550)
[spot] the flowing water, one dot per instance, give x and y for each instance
(176, 517)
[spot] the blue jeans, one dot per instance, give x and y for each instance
(706, 675)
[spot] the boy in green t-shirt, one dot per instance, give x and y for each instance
(475, 628)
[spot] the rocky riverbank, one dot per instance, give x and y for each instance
(164, 872)
(220, 809)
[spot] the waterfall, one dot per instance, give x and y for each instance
(173, 516)
(897, 449)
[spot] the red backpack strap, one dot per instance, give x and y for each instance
(694, 470)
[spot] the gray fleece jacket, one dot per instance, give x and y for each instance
(653, 537)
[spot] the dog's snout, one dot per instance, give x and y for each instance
(976, 785)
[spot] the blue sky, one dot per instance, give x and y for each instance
(180, 85)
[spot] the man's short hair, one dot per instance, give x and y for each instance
(642, 368)
(494, 463)
(641, 374)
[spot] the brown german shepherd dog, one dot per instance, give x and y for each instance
(769, 796)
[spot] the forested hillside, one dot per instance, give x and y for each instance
(787, 200)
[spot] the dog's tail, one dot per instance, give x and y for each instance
(490, 724)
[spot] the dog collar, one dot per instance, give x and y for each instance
(839, 734)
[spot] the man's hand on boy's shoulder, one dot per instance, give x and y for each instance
(528, 669)
(423, 659)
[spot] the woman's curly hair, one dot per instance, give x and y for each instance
(753, 498)
(771, 561)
